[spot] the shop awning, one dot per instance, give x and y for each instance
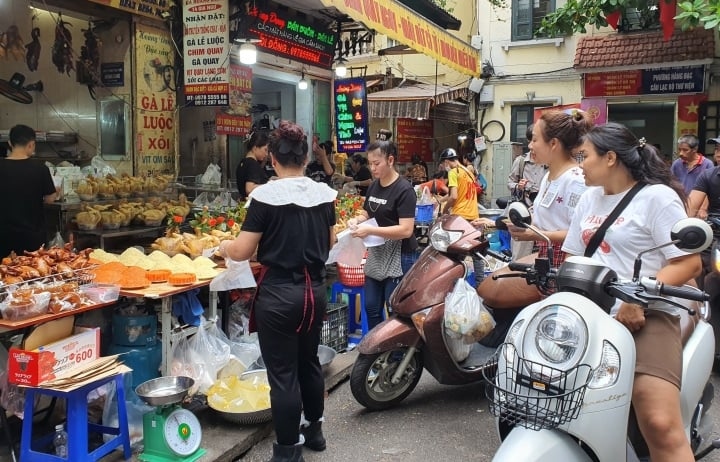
(421, 101)
(401, 23)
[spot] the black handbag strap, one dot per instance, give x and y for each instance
(597, 238)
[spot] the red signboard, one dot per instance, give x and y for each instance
(613, 83)
(235, 119)
(415, 137)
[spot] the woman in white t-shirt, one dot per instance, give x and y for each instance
(554, 138)
(614, 160)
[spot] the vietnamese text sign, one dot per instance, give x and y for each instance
(668, 80)
(398, 22)
(236, 119)
(155, 117)
(300, 38)
(150, 8)
(207, 51)
(351, 115)
(415, 137)
(112, 74)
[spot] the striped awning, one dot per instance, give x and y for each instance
(421, 101)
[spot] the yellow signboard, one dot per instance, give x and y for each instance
(402, 24)
(150, 8)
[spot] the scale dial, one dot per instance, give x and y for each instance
(182, 432)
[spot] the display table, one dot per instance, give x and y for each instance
(164, 292)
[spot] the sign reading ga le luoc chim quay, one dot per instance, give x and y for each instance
(207, 49)
(402, 24)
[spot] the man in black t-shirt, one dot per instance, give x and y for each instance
(321, 169)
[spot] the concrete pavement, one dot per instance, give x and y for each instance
(225, 441)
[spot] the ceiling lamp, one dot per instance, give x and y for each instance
(248, 51)
(340, 67)
(303, 84)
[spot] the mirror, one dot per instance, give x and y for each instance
(519, 215)
(114, 128)
(691, 235)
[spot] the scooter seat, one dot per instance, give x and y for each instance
(510, 292)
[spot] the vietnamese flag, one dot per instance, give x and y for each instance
(667, 17)
(613, 18)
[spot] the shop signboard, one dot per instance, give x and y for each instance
(669, 80)
(155, 117)
(415, 136)
(112, 74)
(235, 119)
(351, 115)
(206, 49)
(281, 33)
(392, 18)
(156, 9)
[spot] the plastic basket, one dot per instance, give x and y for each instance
(531, 394)
(424, 213)
(334, 327)
(351, 276)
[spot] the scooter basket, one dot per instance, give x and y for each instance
(530, 394)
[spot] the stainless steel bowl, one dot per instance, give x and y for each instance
(164, 390)
(325, 355)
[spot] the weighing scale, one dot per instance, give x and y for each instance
(170, 433)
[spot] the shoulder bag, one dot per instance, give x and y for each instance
(597, 238)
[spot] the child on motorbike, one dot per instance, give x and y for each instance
(614, 160)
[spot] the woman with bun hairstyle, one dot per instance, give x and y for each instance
(290, 222)
(250, 172)
(555, 139)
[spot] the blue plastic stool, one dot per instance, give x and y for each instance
(356, 328)
(77, 425)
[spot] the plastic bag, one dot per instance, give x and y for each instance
(135, 410)
(347, 250)
(212, 349)
(57, 241)
(202, 200)
(425, 197)
(465, 317)
(212, 175)
(101, 168)
(238, 275)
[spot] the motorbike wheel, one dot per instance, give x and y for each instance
(371, 378)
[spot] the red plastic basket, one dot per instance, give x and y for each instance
(351, 276)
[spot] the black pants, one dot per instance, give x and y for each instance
(293, 368)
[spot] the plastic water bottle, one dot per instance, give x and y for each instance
(60, 441)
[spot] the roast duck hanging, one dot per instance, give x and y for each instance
(89, 56)
(32, 55)
(11, 44)
(62, 48)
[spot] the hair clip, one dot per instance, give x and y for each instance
(641, 143)
(249, 135)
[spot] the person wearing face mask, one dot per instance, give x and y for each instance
(250, 173)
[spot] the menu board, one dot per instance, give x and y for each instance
(415, 137)
(351, 115)
(206, 49)
(236, 119)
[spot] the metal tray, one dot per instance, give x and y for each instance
(246, 418)
(164, 390)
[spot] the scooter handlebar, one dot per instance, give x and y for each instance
(498, 256)
(688, 293)
(523, 267)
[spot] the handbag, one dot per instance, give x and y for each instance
(383, 261)
(597, 238)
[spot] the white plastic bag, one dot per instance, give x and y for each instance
(465, 316)
(347, 250)
(101, 168)
(212, 175)
(237, 275)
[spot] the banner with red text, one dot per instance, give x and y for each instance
(206, 46)
(400, 23)
(235, 119)
(155, 113)
(415, 137)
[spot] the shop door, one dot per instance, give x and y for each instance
(709, 125)
(653, 120)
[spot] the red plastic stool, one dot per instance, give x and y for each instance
(77, 425)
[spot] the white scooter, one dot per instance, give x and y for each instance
(562, 387)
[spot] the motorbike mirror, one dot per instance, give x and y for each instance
(519, 215)
(691, 235)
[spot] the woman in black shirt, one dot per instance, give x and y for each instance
(290, 222)
(250, 173)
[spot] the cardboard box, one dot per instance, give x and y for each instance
(32, 367)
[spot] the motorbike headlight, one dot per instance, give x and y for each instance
(441, 238)
(556, 335)
(608, 371)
